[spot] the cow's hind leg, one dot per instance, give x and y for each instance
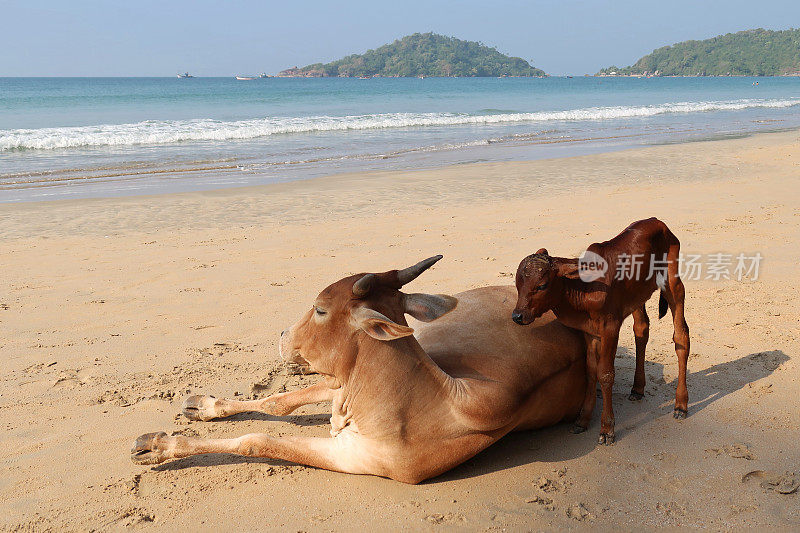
(208, 407)
(641, 331)
(342, 454)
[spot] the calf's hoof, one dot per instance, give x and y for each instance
(679, 414)
(577, 428)
(150, 449)
(200, 408)
(635, 396)
(606, 439)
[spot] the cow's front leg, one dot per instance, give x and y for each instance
(208, 407)
(605, 375)
(342, 454)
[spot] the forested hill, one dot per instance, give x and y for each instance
(746, 53)
(423, 54)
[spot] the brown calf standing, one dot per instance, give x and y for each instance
(596, 302)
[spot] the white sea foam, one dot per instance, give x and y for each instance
(176, 131)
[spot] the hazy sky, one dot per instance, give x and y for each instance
(226, 37)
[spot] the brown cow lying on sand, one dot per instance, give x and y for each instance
(649, 253)
(405, 407)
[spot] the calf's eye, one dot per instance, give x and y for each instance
(542, 287)
(320, 312)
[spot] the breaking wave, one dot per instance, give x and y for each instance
(154, 132)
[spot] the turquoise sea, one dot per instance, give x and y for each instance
(98, 137)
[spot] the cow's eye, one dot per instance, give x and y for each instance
(542, 287)
(320, 312)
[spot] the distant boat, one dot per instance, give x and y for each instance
(245, 78)
(185, 75)
(264, 75)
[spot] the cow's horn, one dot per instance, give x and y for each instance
(409, 274)
(362, 287)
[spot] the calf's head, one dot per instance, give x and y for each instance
(537, 288)
(349, 312)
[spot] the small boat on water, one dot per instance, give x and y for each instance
(245, 78)
(264, 75)
(185, 75)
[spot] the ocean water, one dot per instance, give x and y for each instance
(100, 137)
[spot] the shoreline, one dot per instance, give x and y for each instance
(555, 176)
(580, 147)
(179, 142)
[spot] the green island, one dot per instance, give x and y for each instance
(418, 55)
(757, 52)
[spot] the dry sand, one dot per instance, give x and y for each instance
(111, 311)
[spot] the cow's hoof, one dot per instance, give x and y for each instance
(200, 408)
(679, 414)
(635, 396)
(150, 449)
(577, 428)
(606, 439)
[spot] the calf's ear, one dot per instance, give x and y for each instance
(542, 251)
(428, 307)
(379, 326)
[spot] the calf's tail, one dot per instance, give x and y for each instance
(662, 305)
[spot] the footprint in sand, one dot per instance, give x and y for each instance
(132, 517)
(736, 450)
(547, 503)
(578, 511)
(442, 518)
(787, 483)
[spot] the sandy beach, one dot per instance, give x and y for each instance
(113, 310)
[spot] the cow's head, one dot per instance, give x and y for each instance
(345, 314)
(536, 290)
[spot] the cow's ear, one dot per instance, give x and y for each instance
(542, 251)
(428, 307)
(379, 326)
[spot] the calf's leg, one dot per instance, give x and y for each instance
(590, 397)
(605, 375)
(676, 296)
(641, 331)
(208, 407)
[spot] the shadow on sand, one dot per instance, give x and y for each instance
(298, 420)
(520, 448)
(705, 387)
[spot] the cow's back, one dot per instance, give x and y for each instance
(478, 338)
